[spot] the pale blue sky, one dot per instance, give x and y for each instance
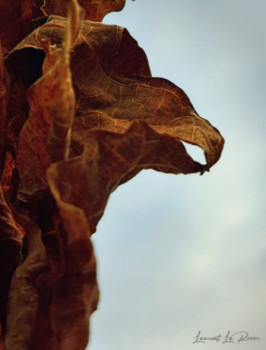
(179, 254)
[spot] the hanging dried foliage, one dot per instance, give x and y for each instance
(80, 114)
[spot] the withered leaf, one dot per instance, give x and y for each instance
(15, 20)
(10, 237)
(96, 118)
(10, 253)
(23, 300)
(123, 117)
(54, 292)
(17, 17)
(4, 99)
(94, 10)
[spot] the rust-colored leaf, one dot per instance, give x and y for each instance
(4, 99)
(112, 96)
(18, 17)
(85, 116)
(23, 300)
(15, 20)
(94, 10)
(10, 237)
(10, 254)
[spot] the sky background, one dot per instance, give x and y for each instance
(183, 254)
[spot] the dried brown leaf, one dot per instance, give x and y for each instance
(17, 16)
(4, 99)
(15, 20)
(10, 237)
(10, 254)
(114, 96)
(53, 291)
(23, 300)
(96, 119)
(94, 10)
